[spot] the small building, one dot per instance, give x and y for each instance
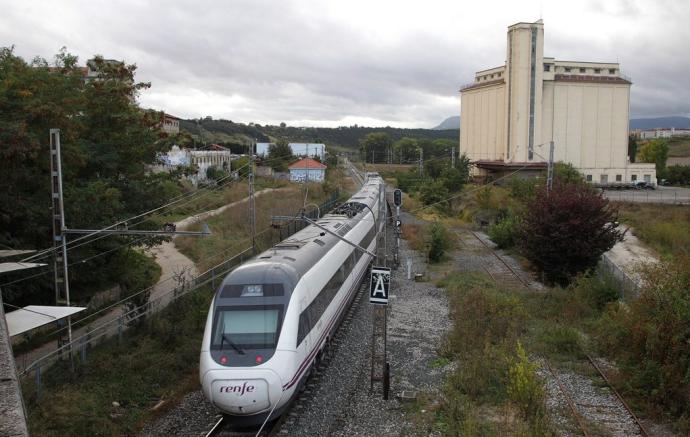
(660, 133)
(170, 124)
(307, 170)
(298, 149)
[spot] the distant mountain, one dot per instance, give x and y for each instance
(449, 123)
(651, 123)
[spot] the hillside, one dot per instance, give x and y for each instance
(651, 123)
(240, 134)
(449, 123)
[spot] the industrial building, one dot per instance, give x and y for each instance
(510, 114)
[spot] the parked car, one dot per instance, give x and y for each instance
(643, 185)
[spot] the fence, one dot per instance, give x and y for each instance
(628, 286)
(131, 312)
(660, 195)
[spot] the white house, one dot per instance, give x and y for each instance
(298, 149)
(510, 113)
(307, 170)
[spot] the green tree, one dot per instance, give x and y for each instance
(405, 150)
(376, 145)
(654, 151)
(632, 148)
(107, 143)
(280, 155)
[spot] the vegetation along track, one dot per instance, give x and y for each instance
(495, 266)
(605, 412)
(272, 429)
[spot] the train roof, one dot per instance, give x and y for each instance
(298, 253)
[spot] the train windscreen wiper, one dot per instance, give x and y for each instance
(224, 338)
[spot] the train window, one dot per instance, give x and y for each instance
(250, 327)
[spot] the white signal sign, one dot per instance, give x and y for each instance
(380, 285)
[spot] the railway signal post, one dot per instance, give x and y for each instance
(397, 200)
(379, 291)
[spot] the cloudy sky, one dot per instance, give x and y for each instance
(331, 63)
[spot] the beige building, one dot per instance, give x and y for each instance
(510, 113)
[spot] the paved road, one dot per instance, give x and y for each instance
(677, 195)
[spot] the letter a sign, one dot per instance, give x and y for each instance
(380, 285)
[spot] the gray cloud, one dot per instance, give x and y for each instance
(330, 63)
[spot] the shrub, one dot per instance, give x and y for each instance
(505, 232)
(525, 389)
(596, 291)
(561, 340)
(434, 193)
(564, 232)
(439, 242)
(649, 338)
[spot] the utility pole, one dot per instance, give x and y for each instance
(59, 235)
(549, 172)
(372, 156)
(252, 212)
(421, 162)
(452, 157)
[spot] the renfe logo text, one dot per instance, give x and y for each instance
(239, 389)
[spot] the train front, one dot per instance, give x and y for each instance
(241, 364)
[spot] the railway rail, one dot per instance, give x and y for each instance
(501, 272)
(272, 429)
(498, 269)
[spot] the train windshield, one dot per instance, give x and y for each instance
(246, 327)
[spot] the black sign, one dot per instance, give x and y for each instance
(379, 285)
(397, 197)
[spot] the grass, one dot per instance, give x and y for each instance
(156, 361)
(679, 146)
(663, 227)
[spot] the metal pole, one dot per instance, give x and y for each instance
(59, 228)
(452, 157)
(549, 181)
(252, 212)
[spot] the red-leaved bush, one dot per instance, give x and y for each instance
(564, 232)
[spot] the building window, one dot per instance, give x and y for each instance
(477, 79)
(633, 177)
(648, 178)
(583, 70)
(619, 178)
(567, 69)
(589, 178)
(597, 70)
(547, 67)
(492, 76)
(499, 74)
(612, 71)
(604, 179)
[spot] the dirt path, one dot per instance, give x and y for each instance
(175, 267)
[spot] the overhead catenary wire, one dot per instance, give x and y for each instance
(100, 236)
(71, 244)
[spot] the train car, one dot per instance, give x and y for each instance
(272, 317)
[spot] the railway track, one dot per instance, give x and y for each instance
(288, 418)
(495, 266)
(609, 412)
(615, 413)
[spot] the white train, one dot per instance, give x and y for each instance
(273, 316)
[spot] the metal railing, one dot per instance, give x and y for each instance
(130, 314)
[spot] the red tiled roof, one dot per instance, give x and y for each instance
(306, 163)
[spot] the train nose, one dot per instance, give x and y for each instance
(241, 396)
(254, 392)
